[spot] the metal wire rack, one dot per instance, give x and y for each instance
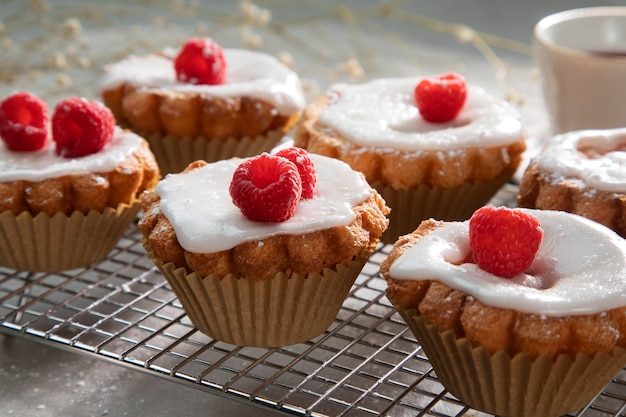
(122, 310)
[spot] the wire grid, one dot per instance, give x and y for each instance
(366, 364)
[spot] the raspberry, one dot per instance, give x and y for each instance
(305, 166)
(200, 61)
(81, 127)
(266, 188)
(441, 98)
(24, 122)
(504, 241)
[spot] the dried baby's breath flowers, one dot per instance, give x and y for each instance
(353, 68)
(83, 42)
(251, 39)
(63, 80)
(254, 14)
(514, 98)
(84, 62)
(286, 59)
(202, 29)
(310, 87)
(58, 60)
(38, 5)
(71, 28)
(345, 14)
(465, 34)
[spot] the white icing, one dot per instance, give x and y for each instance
(580, 267)
(383, 113)
(199, 206)
(561, 155)
(44, 163)
(248, 73)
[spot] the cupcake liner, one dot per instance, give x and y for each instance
(513, 387)
(173, 154)
(60, 242)
(409, 207)
(280, 311)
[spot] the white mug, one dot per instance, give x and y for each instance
(581, 55)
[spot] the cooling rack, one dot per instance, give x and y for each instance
(367, 363)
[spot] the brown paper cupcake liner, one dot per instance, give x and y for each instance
(173, 154)
(513, 387)
(409, 207)
(280, 311)
(55, 243)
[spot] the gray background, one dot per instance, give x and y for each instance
(40, 380)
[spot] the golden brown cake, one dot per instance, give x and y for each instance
(422, 169)
(207, 248)
(180, 115)
(539, 343)
(259, 100)
(58, 213)
(85, 191)
(582, 172)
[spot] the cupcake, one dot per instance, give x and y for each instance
(521, 312)
(581, 172)
(202, 102)
(69, 187)
(441, 150)
(262, 251)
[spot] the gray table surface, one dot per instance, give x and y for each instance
(40, 380)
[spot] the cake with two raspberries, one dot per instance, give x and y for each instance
(262, 251)
(70, 184)
(202, 101)
(520, 311)
(432, 146)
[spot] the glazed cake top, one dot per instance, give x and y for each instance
(45, 163)
(597, 157)
(201, 211)
(248, 73)
(580, 267)
(382, 113)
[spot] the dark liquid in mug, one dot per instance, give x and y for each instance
(609, 54)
